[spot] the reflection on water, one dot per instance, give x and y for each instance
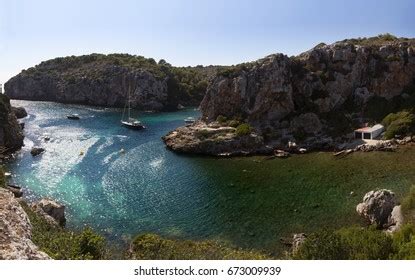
(124, 182)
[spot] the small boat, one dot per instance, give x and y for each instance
(130, 122)
(73, 117)
(189, 120)
(133, 124)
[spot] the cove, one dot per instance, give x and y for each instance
(247, 202)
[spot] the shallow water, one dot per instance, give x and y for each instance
(248, 202)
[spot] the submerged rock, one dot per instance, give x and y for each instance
(52, 211)
(377, 207)
(16, 231)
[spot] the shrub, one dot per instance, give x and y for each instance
(63, 244)
(154, 247)
(404, 243)
(2, 178)
(202, 134)
(408, 205)
(221, 119)
(347, 243)
(322, 245)
(243, 129)
(366, 243)
(234, 123)
(400, 123)
(91, 244)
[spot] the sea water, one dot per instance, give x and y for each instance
(123, 182)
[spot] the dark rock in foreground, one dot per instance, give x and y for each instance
(11, 135)
(19, 112)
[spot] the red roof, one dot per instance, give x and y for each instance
(363, 129)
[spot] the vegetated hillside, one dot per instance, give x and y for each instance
(315, 99)
(105, 80)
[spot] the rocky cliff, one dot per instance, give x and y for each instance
(11, 136)
(105, 80)
(16, 231)
(314, 99)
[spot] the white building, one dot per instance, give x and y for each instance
(1, 89)
(369, 133)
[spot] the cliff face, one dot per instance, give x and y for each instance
(16, 231)
(105, 80)
(319, 96)
(11, 136)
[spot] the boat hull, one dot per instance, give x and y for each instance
(133, 126)
(72, 117)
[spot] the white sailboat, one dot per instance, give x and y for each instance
(130, 122)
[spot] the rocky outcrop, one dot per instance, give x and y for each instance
(53, 212)
(317, 98)
(377, 207)
(11, 135)
(19, 112)
(214, 139)
(16, 231)
(35, 151)
(105, 80)
(105, 86)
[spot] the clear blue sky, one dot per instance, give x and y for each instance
(186, 32)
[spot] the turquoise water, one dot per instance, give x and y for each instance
(248, 202)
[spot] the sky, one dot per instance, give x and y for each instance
(186, 32)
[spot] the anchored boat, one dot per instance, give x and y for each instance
(130, 122)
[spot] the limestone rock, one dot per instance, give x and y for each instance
(395, 220)
(51, 210)
(16, 190)
(306, 98)
(16, 231)
(298, 240)
(377, 207)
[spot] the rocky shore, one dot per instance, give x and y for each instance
(16, 231)
(11, 135)
(315, 99)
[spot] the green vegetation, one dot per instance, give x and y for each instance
(234, 70)
(243, 129)
(381, 39)
(2, 178)
(63, 244)
(357, 243)
(154, 247)
(221, 119)
(186, 85)
(408, 205)
(401, 123)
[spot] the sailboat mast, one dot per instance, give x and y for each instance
(129, 101)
